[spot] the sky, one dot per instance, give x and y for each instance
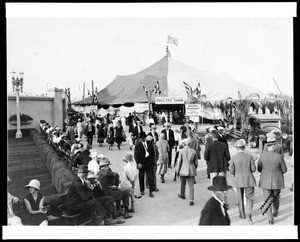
(66, 50)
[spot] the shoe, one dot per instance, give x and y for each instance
(142, 193)
(151, 194)
(271, 221)
(118, 147)
(138, 196)
(162, 180)
(156, 190)
(174, 179)
(208, 176)
(120, 213)
(194, 182)
(110, 222)
(242, 217)
(127, 215)
(120, 221)
(183, 197)
(131, 210)
(249, 219)
(275, 214)
(192, 203)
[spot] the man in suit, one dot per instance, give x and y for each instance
(221, 138)
(169, 135)
(144, 157)
(217, 157)
(80, 199)
(207, 141)
(186, 169)
(110, 181)
(84, 158)
(271, 166)
(215, 209)
(137, 130)
(241, 166)
(153, 133)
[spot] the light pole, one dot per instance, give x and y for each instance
(17, 82)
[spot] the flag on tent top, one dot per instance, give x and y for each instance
(198, 90)
(172, 40)
(188, 88)
(156, 88)
(144, 88)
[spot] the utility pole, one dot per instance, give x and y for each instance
(93, 91)
(277, 86)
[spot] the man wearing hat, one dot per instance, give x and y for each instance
(80, 128)
(271, 166)
(110, 185)
(89, 131)
(208, 138)
(80, 199)
(272, 137)
(215, 209)
(153, 133)
(144, 157)
(221, 132)
(169, 136)
(217, 157)
(84, 158)
(137, 131)
(241, 166)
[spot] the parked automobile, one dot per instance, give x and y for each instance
(261, 124)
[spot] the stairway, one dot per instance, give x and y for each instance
(23, 164)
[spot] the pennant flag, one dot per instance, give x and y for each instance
(188, 88)
(88, 91)
(198, 90)
(144, 88)
(156, 88)
(96, 91)
(172, 40)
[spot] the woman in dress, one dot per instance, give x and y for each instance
(101, 132)
(34, 201)
(110, 135)
(119, 134)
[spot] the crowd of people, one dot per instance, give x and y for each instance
(106, 195)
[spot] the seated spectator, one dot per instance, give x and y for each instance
(80, 199)
(84, 158)
(34, 202)
(109, 184)
(76, 146)
(129, 178)
(12, 219)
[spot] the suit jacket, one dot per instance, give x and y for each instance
(222, 138)
(272, 166)
(89, 133)
(135, 131)
(217, 157)
(77, 193)
(187, 162)
(194, 144)
(139, 154)
(212, 214)
(171, 140)
(241, 166)
(155, 136)
(163, 151)
(83, 159)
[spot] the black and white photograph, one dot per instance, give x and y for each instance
(153, 120)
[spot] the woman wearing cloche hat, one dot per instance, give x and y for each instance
(34, 201)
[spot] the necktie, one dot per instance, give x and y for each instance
(167, 131)
(146, 151)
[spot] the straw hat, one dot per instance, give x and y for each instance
(34, 183)
(104, 162)
(240, 143)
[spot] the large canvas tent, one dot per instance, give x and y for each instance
(170, 74)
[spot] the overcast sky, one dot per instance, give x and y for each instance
(66, 52)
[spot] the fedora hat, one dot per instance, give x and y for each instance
(219, 183)
(104, 162)
(240, 143)
(149, 138)
(82, 169)
(143, 135)
(167, 124)
(34, 183)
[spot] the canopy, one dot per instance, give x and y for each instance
(170, 74)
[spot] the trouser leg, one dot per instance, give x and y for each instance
(154, 173)
(240, 195)
(150, 175)
(191, 181)
(275, 205)
(249, 191)
(170, 157)
(182, 185)
(266, 193)
(142, 179)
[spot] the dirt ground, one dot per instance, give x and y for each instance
(165, 208)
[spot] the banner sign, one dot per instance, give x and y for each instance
(93, 107)
(194, 118)
(193, 109)
(169, 100)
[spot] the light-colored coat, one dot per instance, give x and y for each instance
(272, 166)
(241, 166)
(187, 162)
(163, 151)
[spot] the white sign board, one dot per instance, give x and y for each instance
(169, 100)
(93, 107)
(194, 118)
(193, 109)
